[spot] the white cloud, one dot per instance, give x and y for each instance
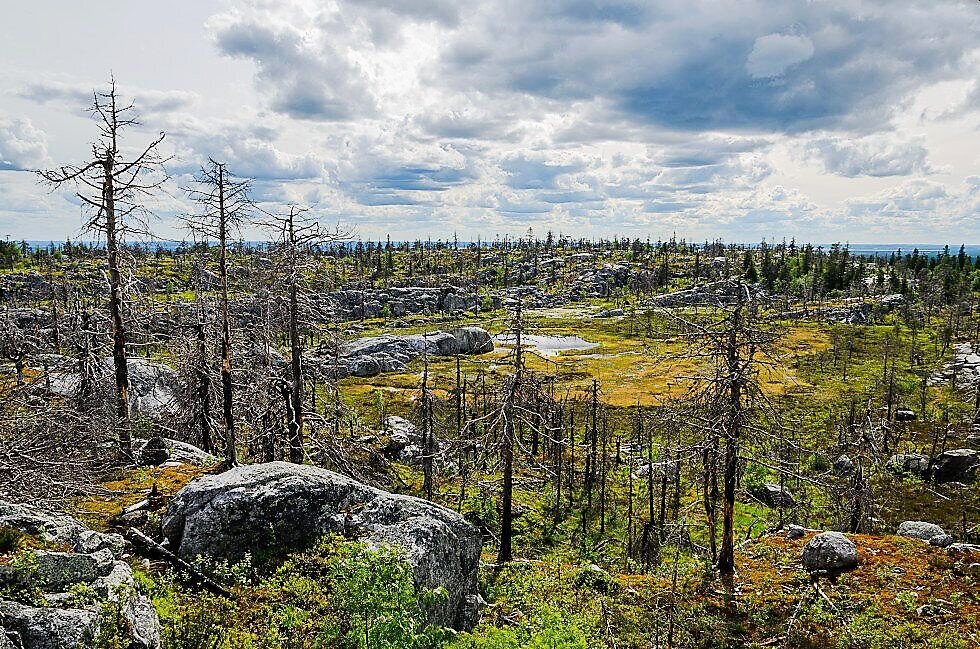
(873, 155)
(22, 145)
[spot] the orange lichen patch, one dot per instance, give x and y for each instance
(894, 573)
(130, 488)
(899, 580)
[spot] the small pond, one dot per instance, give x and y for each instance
(547, 345)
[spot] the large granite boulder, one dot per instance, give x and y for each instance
(281, 506)
(829, 552)
(94, 561)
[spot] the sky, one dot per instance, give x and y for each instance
(823, 120)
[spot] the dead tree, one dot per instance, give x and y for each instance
(296, 236)
(224, 206)
(728, 398)
(112, 185)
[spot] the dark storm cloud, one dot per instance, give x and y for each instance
(789, 65)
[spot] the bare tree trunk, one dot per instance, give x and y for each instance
(231, 443)
(295, 429)
(726, 557)
(123, 425)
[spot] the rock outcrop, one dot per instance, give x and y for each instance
(68, 620)
(370, 356)
(281, 506)
(962, 370)
(153, 386)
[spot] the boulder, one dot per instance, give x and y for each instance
(658, 468)
(55, 572)
(48, 627)
(958, 465)
(941, 541)
(795, 532)
(405, 442)
(829, 552)
(172, 450)
(963, 548)
(609, 313)
(282, 506)
(154, 452)
(843, 466)
(905, 415)
(473, 340)
(920, 530)
(913, 464)
(774, 496)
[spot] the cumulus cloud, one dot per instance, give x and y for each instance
(418, 116)
(22, 145)
(876, 155)
(249, 149)
(301, 59)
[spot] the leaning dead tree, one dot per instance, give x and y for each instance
(113, 185)
(224, 206)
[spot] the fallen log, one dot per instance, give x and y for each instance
(154, 550)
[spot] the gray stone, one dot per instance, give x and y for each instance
(284, 506)
(66, 622)
(843, 466)
(473, 340)
(958, 465)
(941, 541)
(774, 496)
(794, 532)
(154, 452)
(963, 548)
(48, 627)
(829, 552)
(176, 451)
(405, 442)
(90, 541)
(58, 571)
(904, 414)
(658, 468)
(913, 464)
(920, 530)
(609, 313)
